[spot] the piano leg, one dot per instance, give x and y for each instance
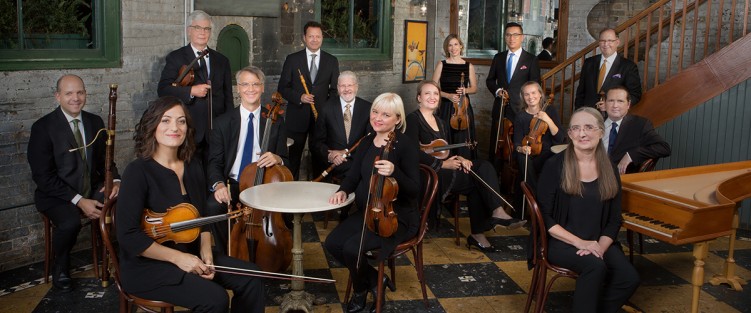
(701, 249)
(729, 277)
(630, 240)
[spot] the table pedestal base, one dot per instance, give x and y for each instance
(297, 301)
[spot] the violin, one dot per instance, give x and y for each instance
(379, 214)
(460, 120)
(186, 76)
(347, 153)
(262, 237)
(439, 148)
(180, 223)
(505, 131)
(537, 128)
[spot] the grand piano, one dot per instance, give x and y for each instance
(689, 206)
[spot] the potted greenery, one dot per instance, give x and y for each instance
(335, 21)
(56, 24)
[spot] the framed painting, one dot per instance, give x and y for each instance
(415, 51)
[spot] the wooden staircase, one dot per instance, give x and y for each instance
(687, 52)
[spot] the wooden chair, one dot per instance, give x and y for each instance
(106, 222)
(96, 247)
(538, 290)
(453, 202)
(647, 166)
(414, 244)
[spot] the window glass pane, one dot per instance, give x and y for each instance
(484, 24)
(345, 19)
(57, 24)
(8, 24)
(365, 20)
(335, 21)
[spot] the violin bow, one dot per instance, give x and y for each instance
(229, 224)
(489, 188)
(272, 275)
(305, 86)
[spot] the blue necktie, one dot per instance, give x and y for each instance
(613, 135)
(248, 148)
(509, 63)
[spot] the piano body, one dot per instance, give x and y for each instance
(688, 205)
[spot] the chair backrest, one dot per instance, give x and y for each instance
(539, 232)
(430, 189)
(647, 166)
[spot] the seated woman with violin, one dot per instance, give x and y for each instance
(384, 163)
(485, 208)
(580, 199)
(166, 176)
(536, 129)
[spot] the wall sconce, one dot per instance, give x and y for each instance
(423, 7)
(461, 12)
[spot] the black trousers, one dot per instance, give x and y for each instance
(482, 202)
(202, 295)
(67, 221)
(295, 152)
(603, 284)
(219, 229)
(343, 243)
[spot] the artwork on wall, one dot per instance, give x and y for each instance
(415, 51)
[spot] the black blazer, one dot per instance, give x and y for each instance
(57, 172)
(299, 115)
(637, 136)
(221, 86)
(527, 69)
(623, 72)
(223, 143)
(545, 56)
(329, 131)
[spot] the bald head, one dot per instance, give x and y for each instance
(71, 94)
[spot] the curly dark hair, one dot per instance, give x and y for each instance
(146, 144)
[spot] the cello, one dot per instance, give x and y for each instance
(262, 237)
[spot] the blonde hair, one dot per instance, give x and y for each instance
(607, 182)
(393, 102)
(539, 89)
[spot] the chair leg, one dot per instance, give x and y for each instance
(417, 253)
(381, 291)
(47, 248)
(630, 241)
(532, 287)
(456, 219)
(326, 216)
(349, 289)
(545, 292)
(392, 267)
(95, 251)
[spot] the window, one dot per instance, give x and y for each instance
(75, 34)
(356, 29)
(485, 28)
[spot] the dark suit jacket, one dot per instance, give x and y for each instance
(637, 136)
(329, 131)
(545, 56)
(299, 115)
(223, 143)
(527, 69)
(221, 86)
(57, 172)
(623, 72)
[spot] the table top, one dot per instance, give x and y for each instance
(292, 197)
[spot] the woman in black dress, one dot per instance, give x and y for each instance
(164, 175)
(386, 116)
(485, 208)
(448, 73)
(579, 194)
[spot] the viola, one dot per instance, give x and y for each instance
(505, 131)
(379, 214)
(186, 76)
(179, 224)
(460, 120)
(439, 148)
(260, 236)
(537, 128)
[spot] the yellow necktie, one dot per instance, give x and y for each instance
(347, 120)
(601, 77)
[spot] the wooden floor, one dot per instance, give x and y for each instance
(459, 280)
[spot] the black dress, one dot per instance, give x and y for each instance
(450, 82)
(535, 163)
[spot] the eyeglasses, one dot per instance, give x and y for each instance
(514, 35)
(254, 85)
(608, 40)
(587, 128)
(199, 28)
(347, 86)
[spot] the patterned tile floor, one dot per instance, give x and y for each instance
(458, 280)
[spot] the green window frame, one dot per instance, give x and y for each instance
(353, 50)
(105, 34)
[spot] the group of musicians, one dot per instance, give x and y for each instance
(192, 146)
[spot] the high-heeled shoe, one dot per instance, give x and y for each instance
(510, 224)
(386, 283)
(357, 302)
(472, 242)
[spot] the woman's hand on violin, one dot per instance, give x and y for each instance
(452, 163)
(338, 198)
(337, 157)
(524, 150)
(544, 117)
(384, 167)
(200, 90)
(269, 159)
(466, 165)
(221, 194)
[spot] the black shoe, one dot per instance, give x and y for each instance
(357, 302)
(61, 279)
(472, 242)
(386, 283)
(511, 223)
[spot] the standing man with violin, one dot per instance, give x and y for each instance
(69, 183)
(307, 82)
(606, 70)
(235, 143)
(509, 70)
(212, 79)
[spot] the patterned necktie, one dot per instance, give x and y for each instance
(347, 120)
(613, 135)
(313, 68)
(509, 65)
(203, 64)
(248, 148)
(601, 76)
(85, 181)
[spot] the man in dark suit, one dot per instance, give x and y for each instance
(234, 145)
(67, 182)
(331, 141)
(213, 78)
(604, 71)
(321, 71)
(545, 54)
(629, 139)
(509, 70)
